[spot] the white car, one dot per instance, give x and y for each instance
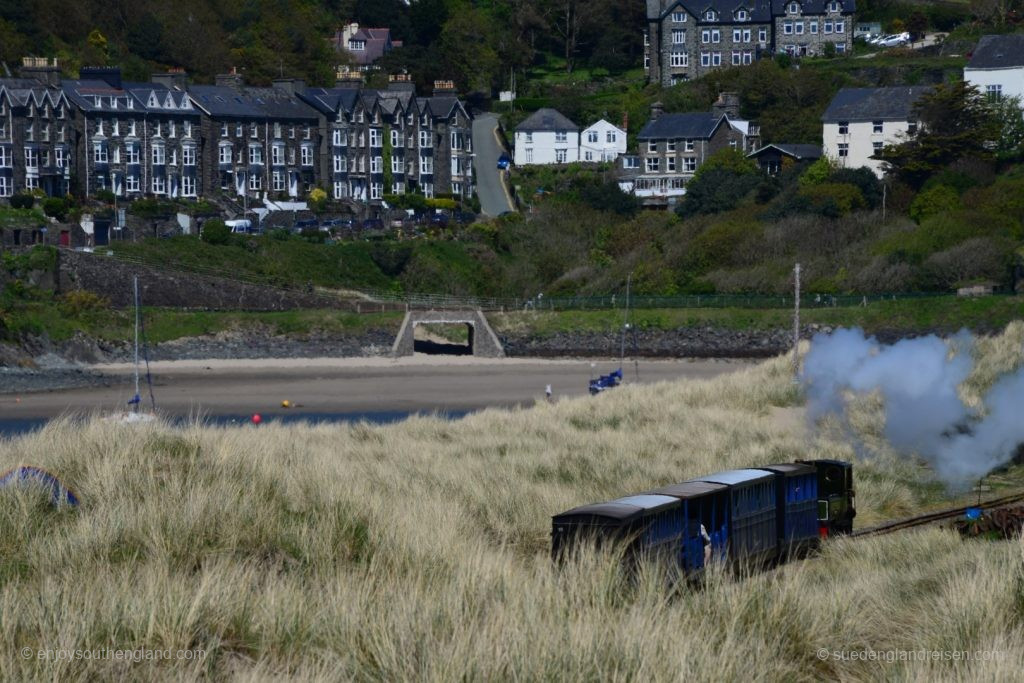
(895, 40)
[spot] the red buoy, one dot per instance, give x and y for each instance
(256, 419)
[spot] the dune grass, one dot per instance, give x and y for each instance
(420, 550)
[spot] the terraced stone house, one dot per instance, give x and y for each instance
(37, 131)
(135, 138)
(378, 142)
(686, 39)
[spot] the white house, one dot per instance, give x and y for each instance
(861, 121)
(602, 142)
(997, 66)
(547, 137)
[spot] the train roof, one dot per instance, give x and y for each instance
(829, 461)
(690, 489)
(735, 477)
(790, 469)
(613, 510)
(648, 501)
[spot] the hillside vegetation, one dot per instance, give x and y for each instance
(420, 550)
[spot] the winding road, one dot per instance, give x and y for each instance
(490, 187)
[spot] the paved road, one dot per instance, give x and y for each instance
(494, 198)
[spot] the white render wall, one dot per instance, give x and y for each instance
(1011, 79)
(602, 150)
(861, 138)
(541, 148)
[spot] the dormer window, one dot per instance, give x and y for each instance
(710, 15)
(59, 110)
(833, 7)
(794, 8)
(97, 101)
(741, 15)
(679, 17)
(131, 103)
(357, 45)
(113, 103)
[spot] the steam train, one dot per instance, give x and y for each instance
(748, 517)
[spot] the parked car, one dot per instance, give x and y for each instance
(504, 162)
(895, 40)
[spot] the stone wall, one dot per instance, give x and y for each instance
(482, 339)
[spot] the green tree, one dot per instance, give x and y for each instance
(216, 232)
(917, 24)
(720, 184)
(955, 122)
(1010, 117)
(467, 46)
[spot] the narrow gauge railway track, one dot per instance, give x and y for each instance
(920, 520)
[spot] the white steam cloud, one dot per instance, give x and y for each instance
(918, 380)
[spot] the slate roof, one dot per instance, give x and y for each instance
(673, 126)
(378, 41)
(546, 120)
(330, 100)
(813, 6)
(998, 52)
(444, 105)
(249, 103)
(797, 151)
(22, 91)
(874, 104)
(144, 97)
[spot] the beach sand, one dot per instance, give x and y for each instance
(348, 385)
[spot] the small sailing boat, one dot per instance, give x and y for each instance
(614, 378)
(134, 415)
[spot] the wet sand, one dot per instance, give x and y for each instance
(347, 385)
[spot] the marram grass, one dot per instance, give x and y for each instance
(420, 550)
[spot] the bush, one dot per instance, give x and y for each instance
(105, 196)
(720, 184)
(79, 301)
(974, 260)
(937, 199)
(442, 203)
(214, 231)
(866, 181)
(55, 208)
(833, 199)
(22, 200)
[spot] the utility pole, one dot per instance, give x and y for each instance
(796, 326)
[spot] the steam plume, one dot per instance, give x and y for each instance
(918, 380)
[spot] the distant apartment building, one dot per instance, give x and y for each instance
(859, 122)
(686, 39)
(169, 138)
(673, 146)
(38, 132)
(996, 66)
(392, 141)
(546, 137)
(364, 45)
(137, 138)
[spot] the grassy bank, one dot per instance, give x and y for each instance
(904, 315)
(420, 550)
(60, 323)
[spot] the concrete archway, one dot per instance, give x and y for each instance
(482, 340)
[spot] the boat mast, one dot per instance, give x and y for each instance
(136, 287)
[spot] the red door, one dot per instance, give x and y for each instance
(65, 238)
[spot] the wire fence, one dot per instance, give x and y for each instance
(370, 300)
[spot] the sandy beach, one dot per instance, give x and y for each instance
(347, 385)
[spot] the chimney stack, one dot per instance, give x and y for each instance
(175, 78)
(111, 75)
(444, 87)
(46, 71)
(230, 80)
(347, 78)
(401, 82)
(291, 86)
(728, 103)
(657, 109)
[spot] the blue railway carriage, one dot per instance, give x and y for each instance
(751, 532)
(703, 504)
(648, 524)
(796, 493)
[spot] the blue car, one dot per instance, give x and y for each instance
(504, 162)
